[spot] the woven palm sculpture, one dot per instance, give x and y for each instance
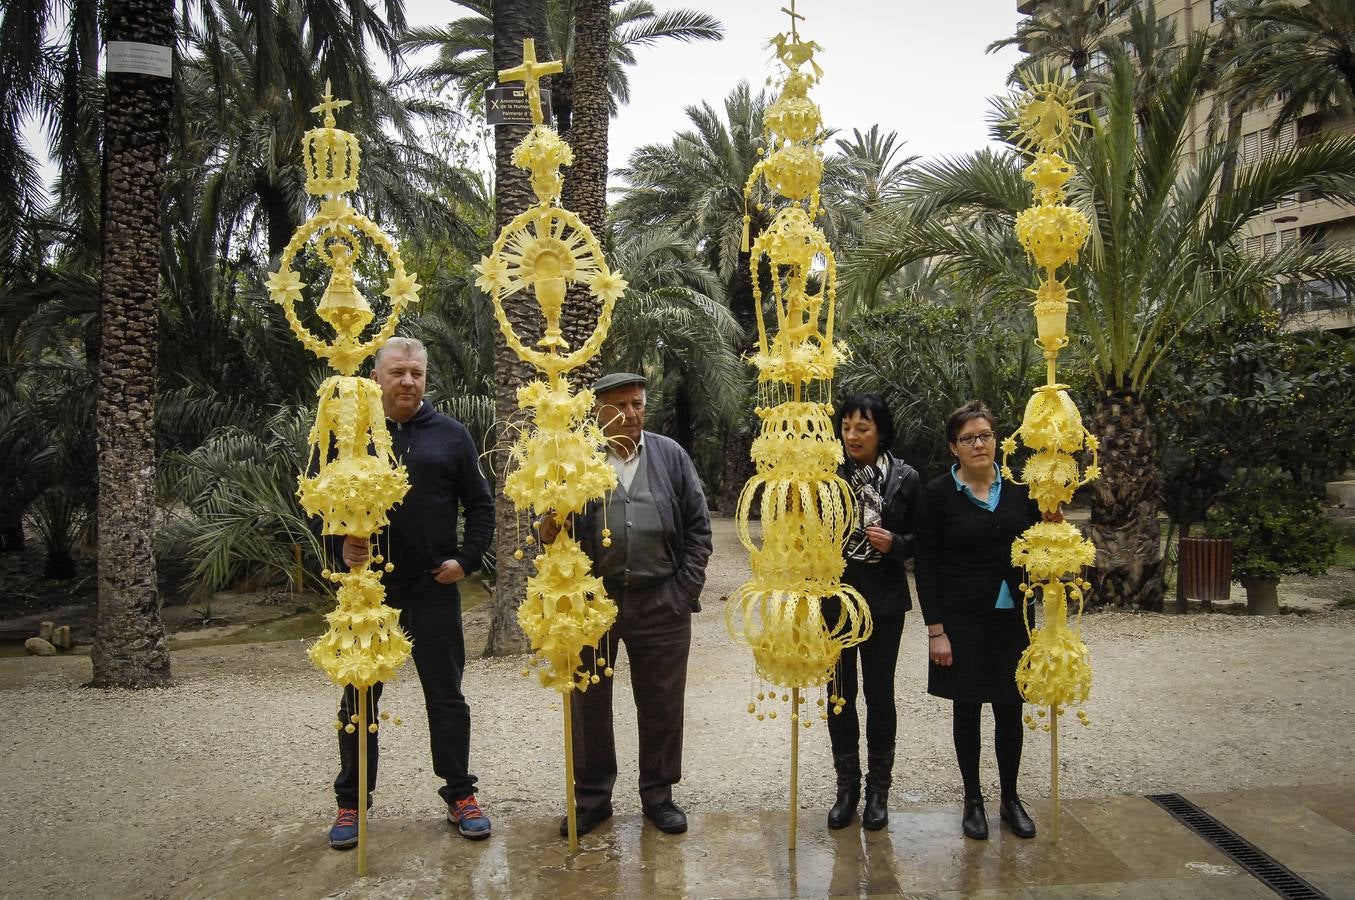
(557, 463)
(1054, 672)
(806, 510)
(356, 479)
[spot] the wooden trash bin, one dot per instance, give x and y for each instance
(1206, 568)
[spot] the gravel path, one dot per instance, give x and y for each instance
(120, 793)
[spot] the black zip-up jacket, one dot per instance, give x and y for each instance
(444, 474)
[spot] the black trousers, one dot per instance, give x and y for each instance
(657, 642)
(430, 613)
(878, 657)
(1007, 736)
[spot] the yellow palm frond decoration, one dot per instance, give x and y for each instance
(804, 506)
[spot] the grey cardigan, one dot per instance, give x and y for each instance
(682, 508)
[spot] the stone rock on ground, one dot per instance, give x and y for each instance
(36, 646)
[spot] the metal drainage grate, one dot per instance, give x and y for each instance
(1264, 867)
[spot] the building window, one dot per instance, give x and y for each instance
(1216, 10)
(1319, 295)
(1256, 145)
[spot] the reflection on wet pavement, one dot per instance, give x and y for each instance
(1123, 847)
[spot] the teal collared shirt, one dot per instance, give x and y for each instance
(1004, 594)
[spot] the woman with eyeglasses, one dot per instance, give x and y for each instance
(969, 591)
(885, 489)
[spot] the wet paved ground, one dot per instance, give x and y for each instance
(1123, 847)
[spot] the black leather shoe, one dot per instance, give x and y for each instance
(585, 820)
(1014, 814)
(975, 821)
(668, 817)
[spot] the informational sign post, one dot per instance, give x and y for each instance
(509, 105)
(139, 59)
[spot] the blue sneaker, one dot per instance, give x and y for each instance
(468, 818)
(344, 834)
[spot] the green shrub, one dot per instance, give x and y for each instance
(1277, 527)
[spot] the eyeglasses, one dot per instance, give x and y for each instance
(983, 437)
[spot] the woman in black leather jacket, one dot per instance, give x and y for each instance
(886, 491)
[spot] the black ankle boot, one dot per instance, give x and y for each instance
(975, 821)
(1016, 817)
(875, 815)
(848, 768)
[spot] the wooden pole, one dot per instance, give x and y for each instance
(362, 781)
(570, 815)
(1054, 770)
(794, 762)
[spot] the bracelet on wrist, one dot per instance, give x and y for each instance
(931, 637)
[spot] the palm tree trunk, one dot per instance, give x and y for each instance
(1125, 504)
(514, 21)
(277, 213)
(739, 439)
(1228, 172)
(585, 189)
(129, 639)
(11, 531)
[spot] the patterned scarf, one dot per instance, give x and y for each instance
(867, 483)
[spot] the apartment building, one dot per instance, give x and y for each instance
(1320, 304)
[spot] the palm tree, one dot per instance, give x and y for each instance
(1066, 32)
(54, 79)
(587, 109)
(236, 515)
(129, 640)
(693, 186)
(673, 325)
(464, 46)
(57, 83)
(866, 173)
(860, 181)
(1304, 52)
(1164, 255)
(245, 104)
(513, 22)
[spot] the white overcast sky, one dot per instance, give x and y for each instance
(917, 67)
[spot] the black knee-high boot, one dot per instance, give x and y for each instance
(879, 775)
(848, 768)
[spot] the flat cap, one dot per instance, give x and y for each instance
(615, 380)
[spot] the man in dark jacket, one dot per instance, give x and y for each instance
(652, 560)
(421, 542)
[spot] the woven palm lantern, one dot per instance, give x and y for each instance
(805, 508)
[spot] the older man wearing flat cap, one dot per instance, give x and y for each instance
(654, 567)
